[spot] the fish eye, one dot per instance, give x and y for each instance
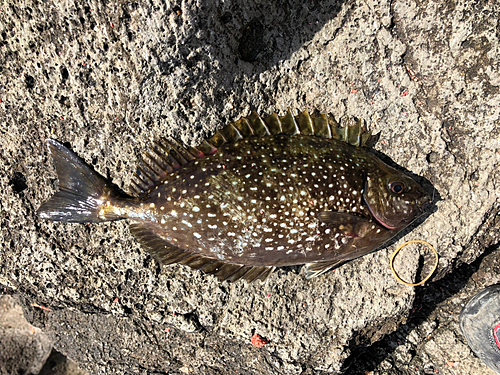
(397, 187)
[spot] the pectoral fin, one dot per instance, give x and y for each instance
(349, 224)
(318, 268)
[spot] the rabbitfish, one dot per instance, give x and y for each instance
(261, 193)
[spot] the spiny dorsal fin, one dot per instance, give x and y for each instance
(321, 126)
(289, 125)
(168, 155)
(166, 253)
(274, 123)
(306, 125)
(352, 131)
(258, 125)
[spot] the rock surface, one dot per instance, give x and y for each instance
(23, 348)
(110, 78)
(430, 342)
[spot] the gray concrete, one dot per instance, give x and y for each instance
(110, 78)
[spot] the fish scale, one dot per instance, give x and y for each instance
(261, 193)
(259, 199)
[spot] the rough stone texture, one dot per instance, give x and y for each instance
(58, 364)
(430, 342)
(23, 348)
(109, 78)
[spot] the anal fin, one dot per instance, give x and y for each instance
(166, 253)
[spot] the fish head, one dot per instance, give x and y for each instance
(393, 198)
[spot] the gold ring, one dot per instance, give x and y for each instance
(428, 276)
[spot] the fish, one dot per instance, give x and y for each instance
(261, 193)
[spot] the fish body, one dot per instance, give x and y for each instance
(241, 204)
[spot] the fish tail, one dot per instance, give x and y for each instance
(84, 196)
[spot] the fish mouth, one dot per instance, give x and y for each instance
(425, 204)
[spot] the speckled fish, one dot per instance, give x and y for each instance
(261, 193)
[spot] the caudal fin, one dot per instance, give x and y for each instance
(83, 193)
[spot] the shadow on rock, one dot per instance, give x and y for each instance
(368, 358)
(228, 46)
